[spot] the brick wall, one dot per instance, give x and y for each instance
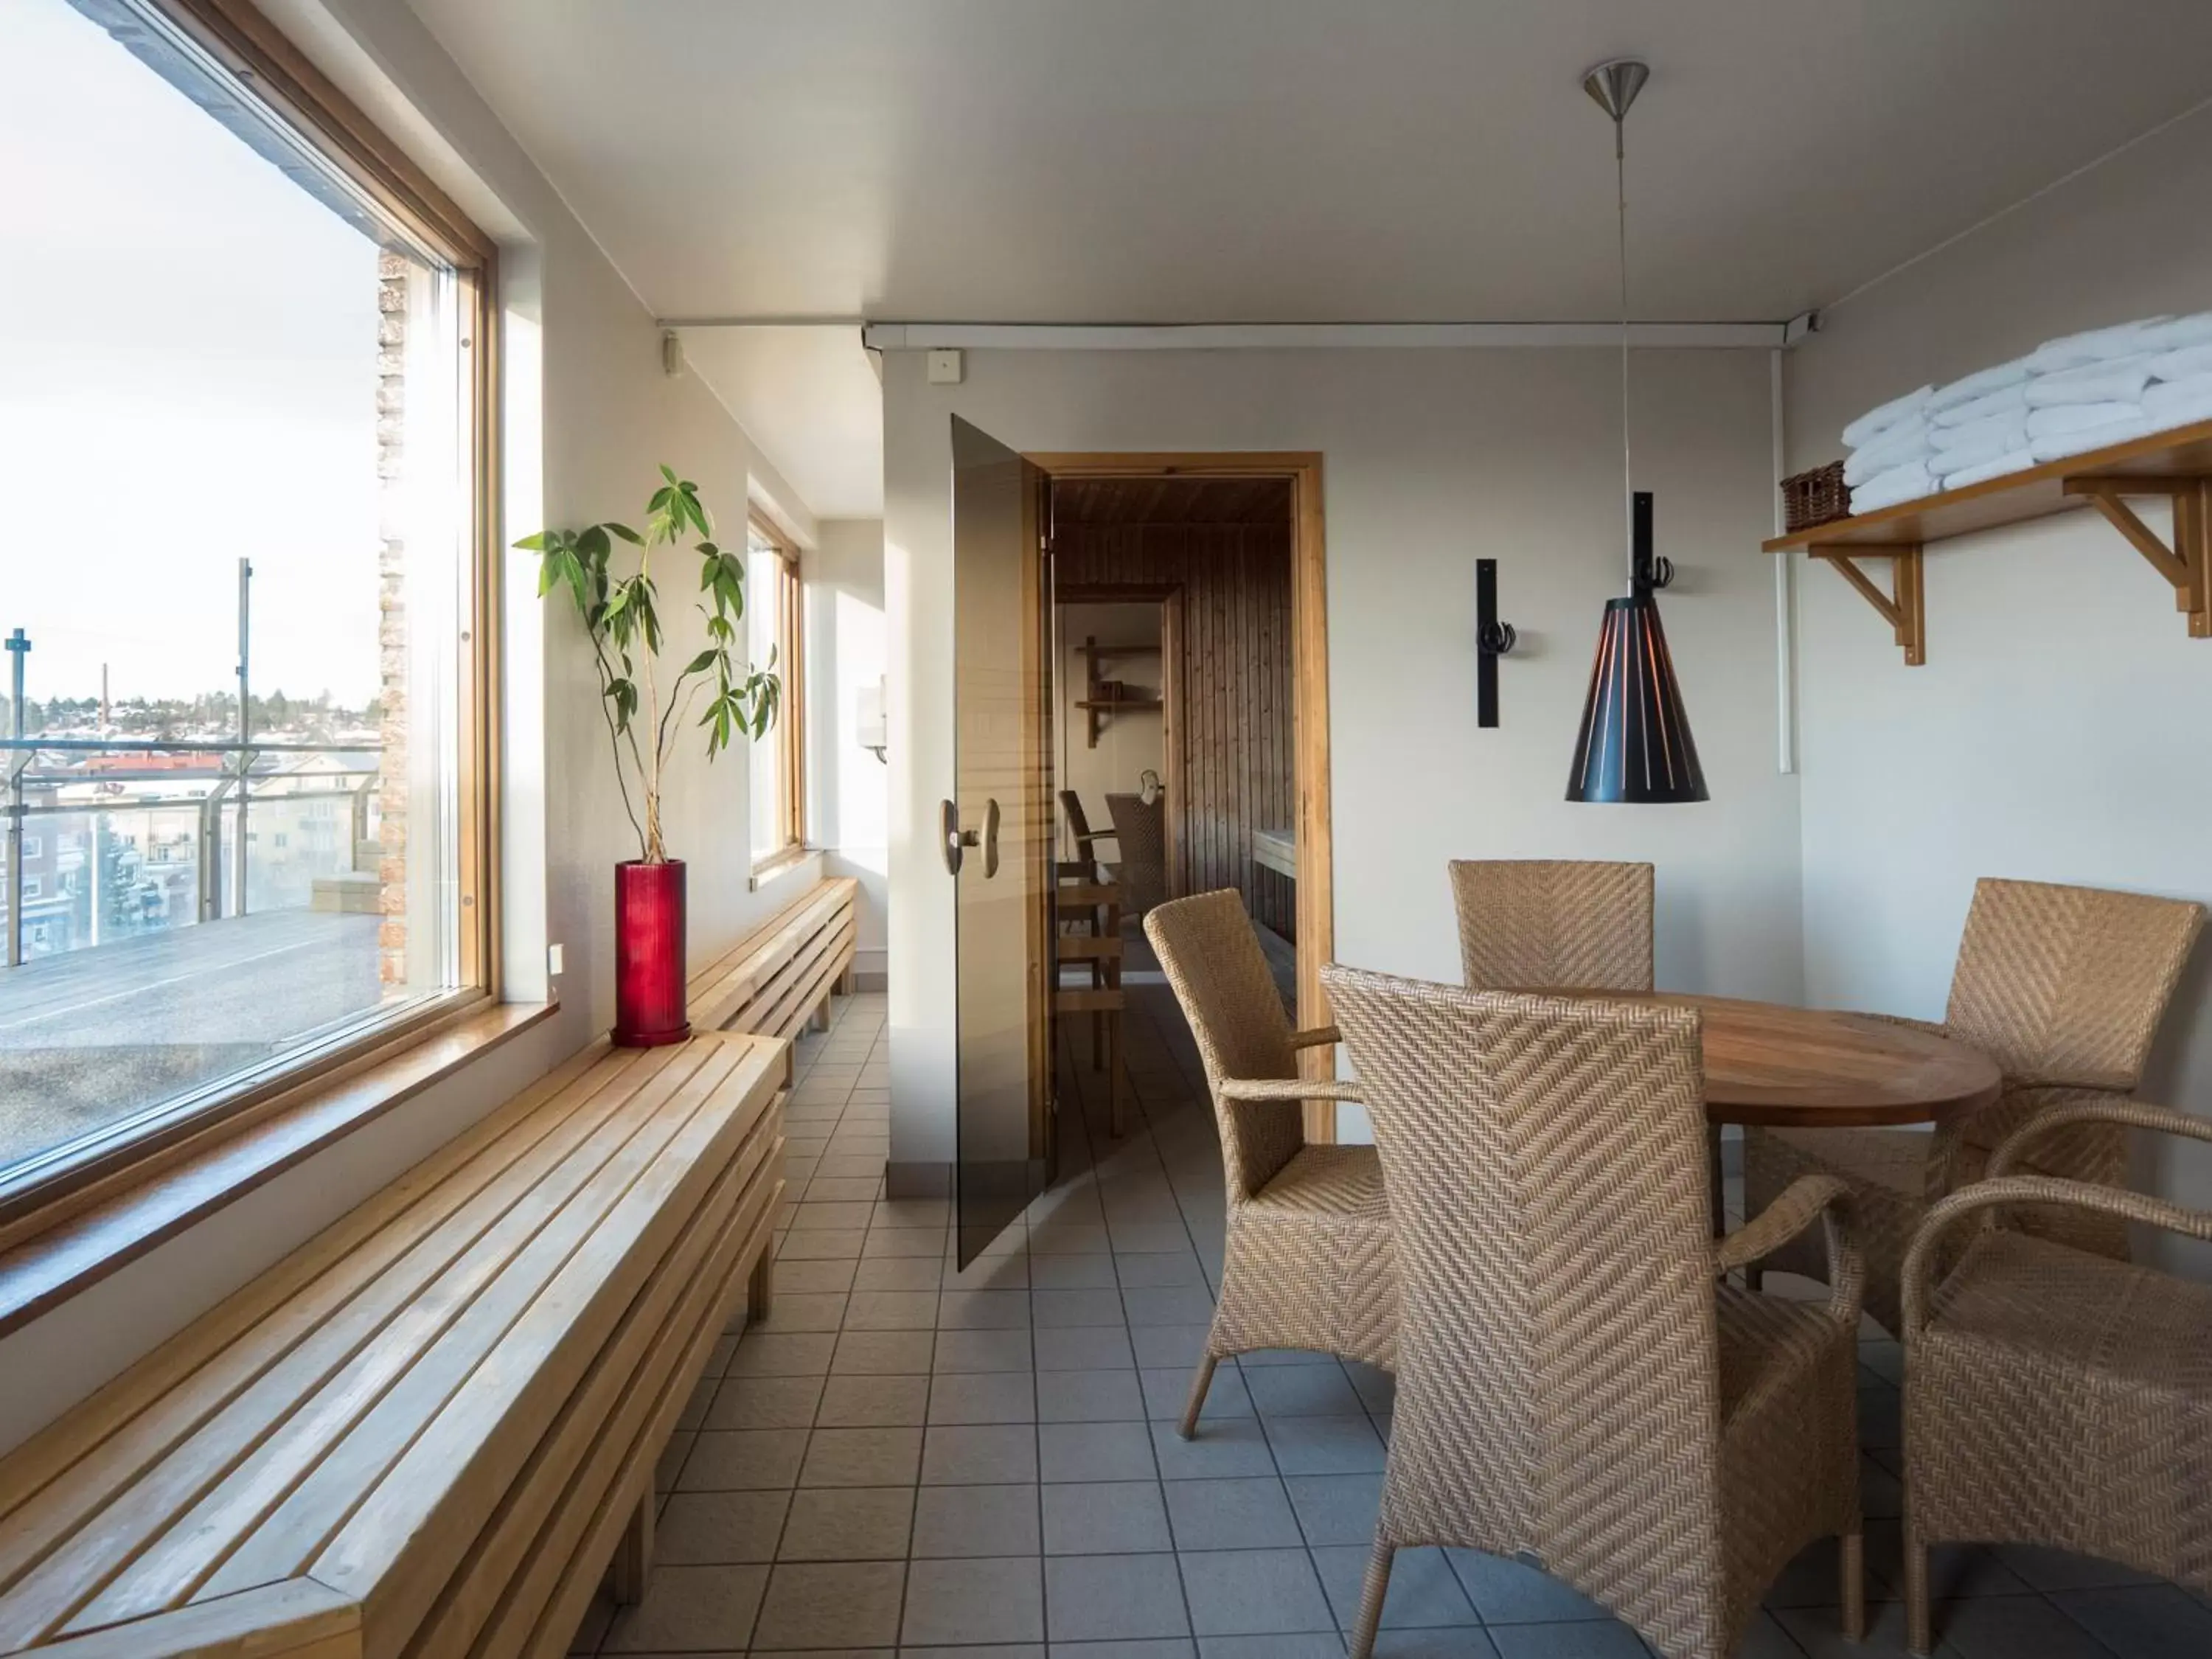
(392, 297)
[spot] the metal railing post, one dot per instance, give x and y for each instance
(19, 647)
(245, 734)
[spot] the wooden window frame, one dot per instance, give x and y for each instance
(789, 732)
(235, 39)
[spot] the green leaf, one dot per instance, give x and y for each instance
(703, 662)
(666, 473)
(592, 543)
(625, 532)
(533, 544)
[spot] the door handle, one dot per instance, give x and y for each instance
(953, 840)
(957, 840)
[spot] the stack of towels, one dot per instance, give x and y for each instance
(2079, 393)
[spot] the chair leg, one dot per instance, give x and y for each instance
(1198, 1385)
(1852, 1566)
(1370, 1600)
(1754, 1277)
(1917, 1630)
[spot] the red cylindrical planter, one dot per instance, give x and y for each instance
(649, 954)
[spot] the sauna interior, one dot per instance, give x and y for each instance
(1173, 732)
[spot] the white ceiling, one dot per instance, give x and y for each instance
(1156, 161)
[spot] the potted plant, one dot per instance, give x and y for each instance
(646, 721)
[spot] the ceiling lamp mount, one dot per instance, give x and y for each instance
(1634, 745)
(1613, 85)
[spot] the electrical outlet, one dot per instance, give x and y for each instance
(553, 960)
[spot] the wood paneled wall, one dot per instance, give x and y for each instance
(1234, 721)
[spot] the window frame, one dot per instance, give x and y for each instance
(789, 732)
(268, 70)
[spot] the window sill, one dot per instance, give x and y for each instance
(84, 1243)
(777, 864)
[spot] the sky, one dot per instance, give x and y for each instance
(187, 375)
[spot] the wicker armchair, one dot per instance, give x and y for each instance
(1578, 1381)
(1553, 924)
(1141, 837)
(2054, 1396)
(1307, 1263)
(2063, 987)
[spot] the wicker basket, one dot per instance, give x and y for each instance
(1816, 497)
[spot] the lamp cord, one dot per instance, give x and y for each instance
(1627, 472)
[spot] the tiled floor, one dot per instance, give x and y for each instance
(909, 1460)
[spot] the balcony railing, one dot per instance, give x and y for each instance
(232, 786)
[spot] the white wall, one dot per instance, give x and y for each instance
(1430, 460)
(588, 413)
(848, 812)
(2052, 733)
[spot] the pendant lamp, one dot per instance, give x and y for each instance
(1635, 744)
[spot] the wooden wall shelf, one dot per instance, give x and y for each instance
(1098, 710)
(2176, 464)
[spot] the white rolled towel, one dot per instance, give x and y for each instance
(1985, 407)
(2194, 330)
(1900, 444)
(1980, 384)
(2179, 402)
(1978, 432)
(2184, 364)
(1883, 416)
(2121, 380)
(1900, 484)
(2010, 461)
(2094, 345)
(2059, 445)
(1993, 438)
(2062, 418)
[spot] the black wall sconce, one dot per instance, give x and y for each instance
(1492, 639)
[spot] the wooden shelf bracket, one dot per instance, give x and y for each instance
(1903, 607)
(2185, 564)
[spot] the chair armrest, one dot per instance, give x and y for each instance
(1287, 1088)
(1084, 838)
(2133, 1114)
(1320, 1037)
(1970, 1201)
(1804, 1201)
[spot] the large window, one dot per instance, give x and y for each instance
(241, 424)
(773, 624)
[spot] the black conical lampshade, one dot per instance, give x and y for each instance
(1635, 744)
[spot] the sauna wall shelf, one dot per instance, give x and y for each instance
(1098, 710)
(2176, 465)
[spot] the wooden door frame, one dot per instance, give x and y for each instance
(1316, 908)
(1168, 597)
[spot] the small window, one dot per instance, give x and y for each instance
(33, 887)
(773, 614)
(33, 846)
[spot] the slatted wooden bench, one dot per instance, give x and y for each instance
(779, 978)
(430, 1430)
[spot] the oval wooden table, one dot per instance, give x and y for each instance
(1810, 1068)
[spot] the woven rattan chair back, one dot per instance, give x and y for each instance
(1553, 924)
(1213, 959)
(1140, 838)
(2064, 987)
(1558, 1383)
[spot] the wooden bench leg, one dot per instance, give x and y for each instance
(760, 1289)
(632, 1567)
(820, 1020)
(844, 981)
